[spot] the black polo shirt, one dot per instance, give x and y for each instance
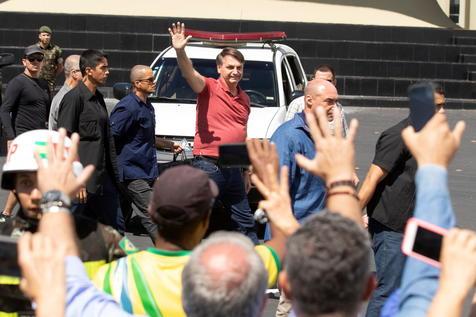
(83, 112)
(394, 198)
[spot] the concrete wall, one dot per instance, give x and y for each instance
(413, 13)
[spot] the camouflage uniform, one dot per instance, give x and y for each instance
(50, 64)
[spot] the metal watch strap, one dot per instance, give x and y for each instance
(54, 209)
(54, 201)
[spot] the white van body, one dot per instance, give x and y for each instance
(272, 72)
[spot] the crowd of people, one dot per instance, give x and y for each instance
(75, 171)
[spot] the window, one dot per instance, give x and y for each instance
(286, 82)
(259, 81)
(296, 71)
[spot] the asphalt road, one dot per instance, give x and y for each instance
(372, 121)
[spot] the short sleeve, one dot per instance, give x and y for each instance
(271, 262)
(208, 83)
(389, 150)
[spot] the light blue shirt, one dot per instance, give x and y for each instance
(420, 280)
(83, 298)
(307, 191)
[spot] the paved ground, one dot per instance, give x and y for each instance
(372, 122)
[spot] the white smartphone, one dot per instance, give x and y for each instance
(423, 241)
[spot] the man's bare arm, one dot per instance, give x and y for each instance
(374, 176)
(179, 41)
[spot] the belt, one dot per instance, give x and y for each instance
(213, 160)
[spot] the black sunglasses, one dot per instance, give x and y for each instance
(150, 80)
(33, 58)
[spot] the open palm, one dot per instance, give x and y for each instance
(177, 34)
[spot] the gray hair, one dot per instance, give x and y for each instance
(328, 265)
(225, 277)
(71, 63)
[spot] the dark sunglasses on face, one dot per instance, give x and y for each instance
(31, 59)
(150, 80)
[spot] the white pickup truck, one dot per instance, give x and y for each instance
(273, 76)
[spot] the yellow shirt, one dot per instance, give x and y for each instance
(150, 282)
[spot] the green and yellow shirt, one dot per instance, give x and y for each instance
(150, 282)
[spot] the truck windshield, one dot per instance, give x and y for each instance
(259, 81)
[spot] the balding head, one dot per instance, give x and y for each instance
(224, 277)
(72, 72)
(71, 64)
(320, 93)
(142, 80)
(138, 72)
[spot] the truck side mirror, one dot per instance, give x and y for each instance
(120, 90)
(296, 94)
(6, 59)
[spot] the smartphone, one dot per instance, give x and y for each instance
(233, 155)
(423, 241)
(422, 104)
(9, 257)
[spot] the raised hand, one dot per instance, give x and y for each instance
(57, 172)
(334, 159)
(277, 202)
(458, 273)
(275, 190)
(262, 153)
(177, 34)
(458, 256)
(43, 273)
(435, 143)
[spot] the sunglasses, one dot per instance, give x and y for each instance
(150, 80)
(33, 58)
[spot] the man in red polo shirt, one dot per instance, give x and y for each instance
(222, 115)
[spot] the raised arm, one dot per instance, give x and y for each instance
(82, 297)
(179, 41)
(275, 190)
(57, 174)
(433, 148)
(458, 273)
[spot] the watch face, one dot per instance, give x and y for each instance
(56, 196)
(52, 195)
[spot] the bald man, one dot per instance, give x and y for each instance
(292, 137)
(225, 276)
(133, 128)
(72, 75)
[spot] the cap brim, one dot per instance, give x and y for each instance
(35, 52)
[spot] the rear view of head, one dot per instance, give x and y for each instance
(327, 266)
(181, 203)
(225, 277)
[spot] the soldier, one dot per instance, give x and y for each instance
(53, 63)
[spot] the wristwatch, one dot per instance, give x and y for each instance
(55, 201)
